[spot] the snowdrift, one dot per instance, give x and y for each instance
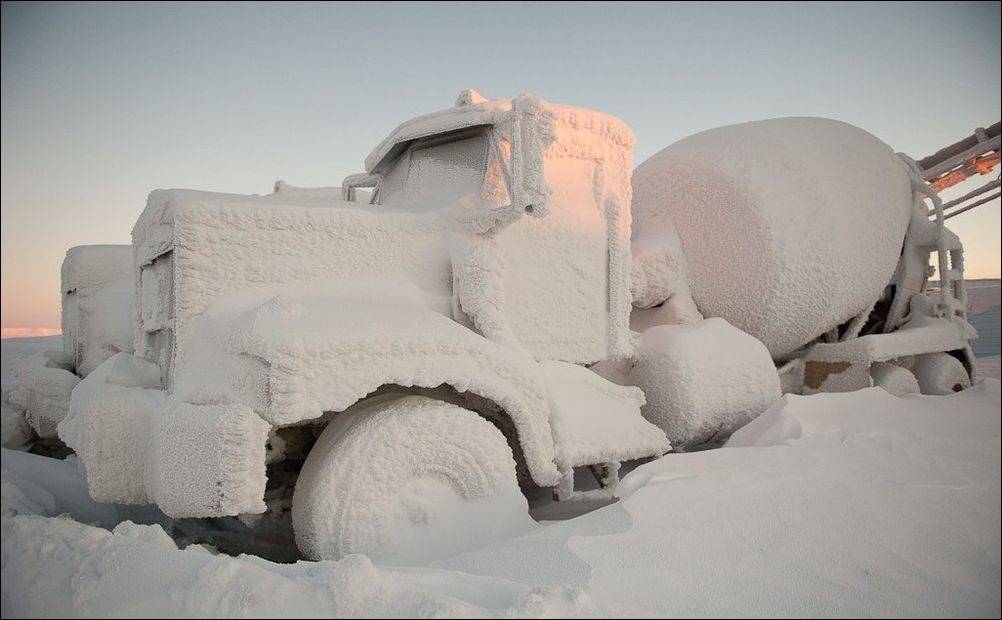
(857, 504)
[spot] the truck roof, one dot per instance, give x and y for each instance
(484, 113)
(442, 121)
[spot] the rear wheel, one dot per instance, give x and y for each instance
(407, 480)
(940, 374)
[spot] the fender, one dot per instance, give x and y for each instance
(293, 355)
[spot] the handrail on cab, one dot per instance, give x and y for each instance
(354, 181)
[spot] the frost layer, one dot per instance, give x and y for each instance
(110, 427)
(395, 470)
(97, 304)
(45, 384)
(293, 353)
(790, 226)
(555, 281)
(703, 381)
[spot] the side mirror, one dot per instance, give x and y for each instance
(354, 181)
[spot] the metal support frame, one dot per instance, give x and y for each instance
(607, 475)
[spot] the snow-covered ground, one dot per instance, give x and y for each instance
(16, 350)
(835, 504)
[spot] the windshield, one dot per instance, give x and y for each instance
(437, 172)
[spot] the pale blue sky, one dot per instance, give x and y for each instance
(102, 103)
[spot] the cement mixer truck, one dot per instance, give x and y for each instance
(388, 365)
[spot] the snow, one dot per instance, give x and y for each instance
(45, 382)
(16, 351)
(283, 355)
(396, 469)
(895, 379)
(15, 432)
(222, 243)
(135, 571)
(292, 353)
(807, 214)
(297, 304)
(206, 460)
(40, 485)
(940, 374)
(660, 282)
(88, 266)
(595, 421)
(290, 308)
(703, 380)
(194, 246)
(109, 426)
(470, 114)
(920, 334)
(856, 504)
(97, 304)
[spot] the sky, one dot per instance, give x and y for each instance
(102, 103)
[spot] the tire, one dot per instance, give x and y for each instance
(893, 378)
(407, 480)
(940, 374)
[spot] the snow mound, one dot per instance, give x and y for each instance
(790, 226)
(16, 351)
(88, 562)
(703, 380)
(67, 569)
(15, 432)
(43, 391)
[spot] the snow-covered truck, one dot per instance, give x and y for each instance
(97, 297)
(391, 366)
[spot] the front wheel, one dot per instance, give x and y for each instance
(940, 374)
(407, 480)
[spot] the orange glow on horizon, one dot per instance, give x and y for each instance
(28, 332)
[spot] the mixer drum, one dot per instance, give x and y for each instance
(790, 226)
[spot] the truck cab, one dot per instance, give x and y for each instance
(457, 301)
